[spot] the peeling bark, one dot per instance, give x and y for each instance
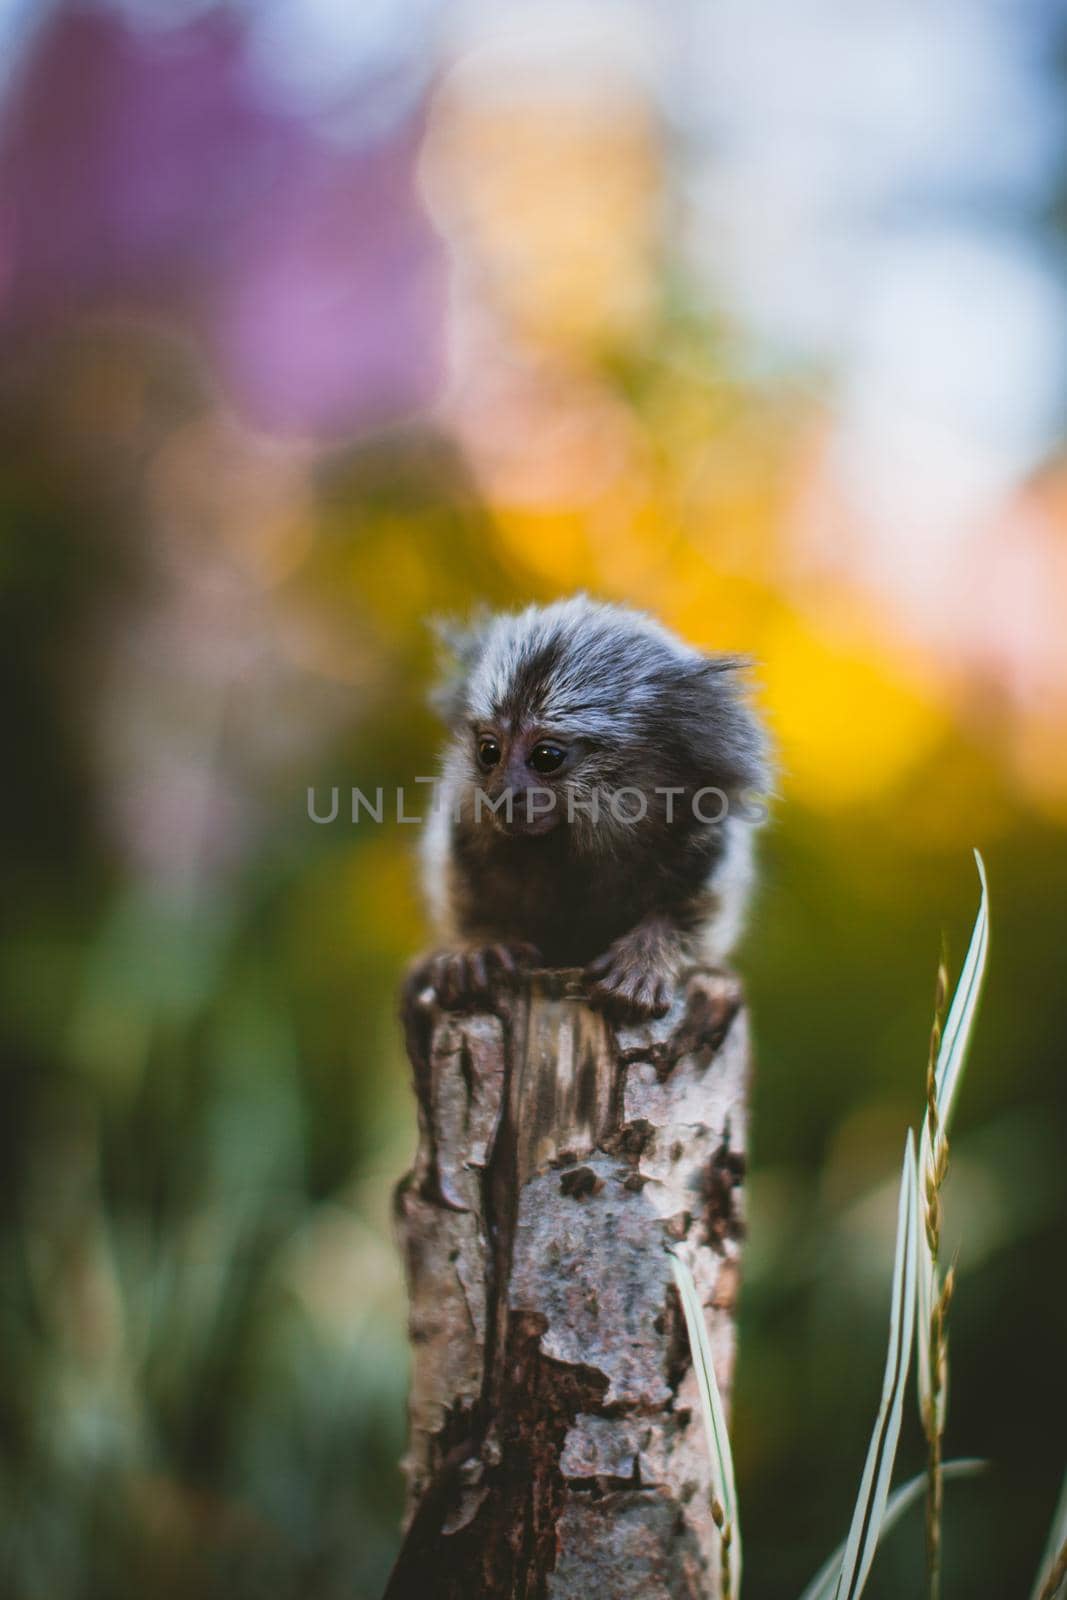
(556, 1450)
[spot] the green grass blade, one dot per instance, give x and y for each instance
(900, 1501)
(1056, 1540)
(950, 1063)
(722, 1463)
(960, 1020)
(873, 1494)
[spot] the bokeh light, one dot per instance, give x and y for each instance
(319, 321)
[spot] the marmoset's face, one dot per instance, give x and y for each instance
(530, 762)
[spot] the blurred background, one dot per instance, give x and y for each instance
(320, 318)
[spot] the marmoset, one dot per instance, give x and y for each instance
(597, 805)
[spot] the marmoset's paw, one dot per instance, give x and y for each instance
(465, 979)
(625, 983)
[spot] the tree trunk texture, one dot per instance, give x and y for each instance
(556, 1443)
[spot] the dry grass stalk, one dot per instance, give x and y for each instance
(933, 1178)
(1057, 1576)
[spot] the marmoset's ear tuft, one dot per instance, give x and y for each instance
(725, 731)
(460, 645)
(716, 661)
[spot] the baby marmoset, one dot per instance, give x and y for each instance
(597, 804)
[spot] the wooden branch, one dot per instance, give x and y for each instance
(556, 1446)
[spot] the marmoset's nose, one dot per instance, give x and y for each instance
(516, 776)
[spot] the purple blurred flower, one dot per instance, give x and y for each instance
(152, 169)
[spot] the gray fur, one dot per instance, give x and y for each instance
(634, 708)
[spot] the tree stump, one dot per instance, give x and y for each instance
(556, 1444)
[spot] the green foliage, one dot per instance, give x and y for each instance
(916, 1291)
(869, 1513)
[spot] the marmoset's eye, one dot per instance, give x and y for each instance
(546, 757)
(488, 752)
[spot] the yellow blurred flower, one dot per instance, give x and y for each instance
(850, 722)
(553, 203)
